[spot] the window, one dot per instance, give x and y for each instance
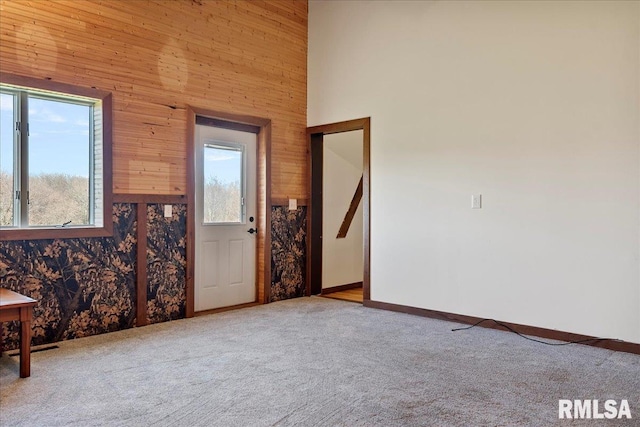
(55, 160)
(223, 184)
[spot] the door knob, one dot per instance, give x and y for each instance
(252, 230)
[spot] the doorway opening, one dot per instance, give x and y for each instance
(338, 262)
(228, 212)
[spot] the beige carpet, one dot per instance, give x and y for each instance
(311, 362)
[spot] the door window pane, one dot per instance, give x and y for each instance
(223, 189)
(7, 125)
(59, 162)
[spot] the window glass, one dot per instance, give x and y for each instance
(7, 125)
(59, 162)
(55, 167)
(223, 184)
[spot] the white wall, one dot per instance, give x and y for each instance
(342, 259)
(536, 105)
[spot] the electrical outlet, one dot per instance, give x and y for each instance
(168, 211)
(293, 204)
(476, 201)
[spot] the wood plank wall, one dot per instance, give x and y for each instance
(157, 57)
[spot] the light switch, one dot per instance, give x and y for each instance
(293, 204)
(168, 211)
(476, 201)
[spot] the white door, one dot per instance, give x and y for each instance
(225, 217)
